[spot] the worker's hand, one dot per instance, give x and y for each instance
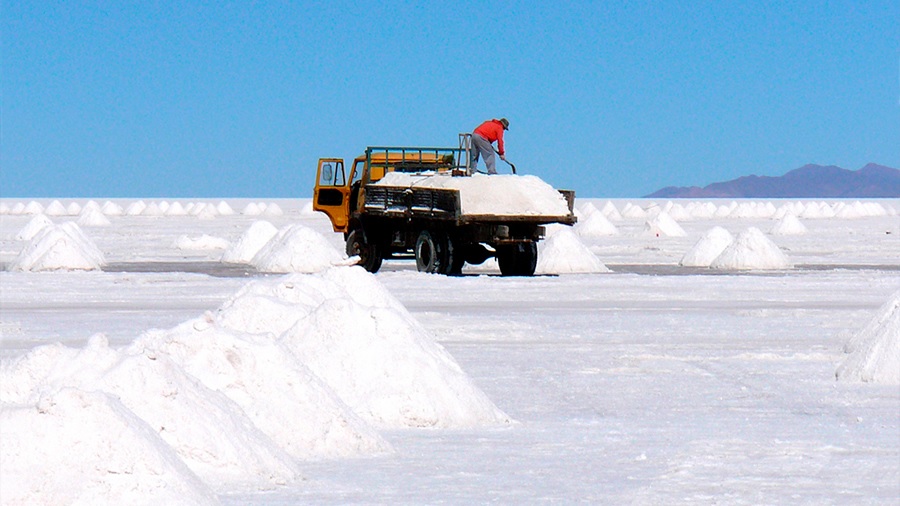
(503, 157)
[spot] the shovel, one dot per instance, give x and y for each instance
(513, 167)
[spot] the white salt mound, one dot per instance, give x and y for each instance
(210, 433)
(136, 208)
(595, 224)
(663, 225)
(588, 209)
(609, 210)
(33, 227)
(93, 217)
(63, 247)
(248, 245)
(202, 243)
(205, 211)
(45, 457)
(874, 352)
(789, 225)
(564, 253)
(175, 209)
(273, 209)
(33, 207)
(297, 249)
(279, 394)
(55, 208)
(501, 195)
(224, 209)
(630, 210)
(708, 248)
(252, 209)
(112, 209)
(353, 334)
(153, 209)
(751, 250)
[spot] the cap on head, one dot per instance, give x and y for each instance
(505, 123)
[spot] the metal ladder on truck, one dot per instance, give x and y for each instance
(465, 149)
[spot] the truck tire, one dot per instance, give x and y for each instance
(369, 253)
(432, 250)
(518, 259)
(456, 253)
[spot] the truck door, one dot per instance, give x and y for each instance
(332, 192)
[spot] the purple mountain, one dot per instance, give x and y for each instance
(809, 181)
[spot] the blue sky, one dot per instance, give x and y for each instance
(612, 99)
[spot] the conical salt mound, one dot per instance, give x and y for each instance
(249, 244)
(595, 224)
(751, 250)
(297, 249)
(708, 248)
(609, 210)
(664, 226)
(63, 247)
(56, 208)
(92, 217)
(34, 227)
(875, 350)
(564, 253)
(789, 225)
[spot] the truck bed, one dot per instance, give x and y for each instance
(470, 199)
(441, 204)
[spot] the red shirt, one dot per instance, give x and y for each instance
(492, 130)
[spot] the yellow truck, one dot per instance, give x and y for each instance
(425, 203)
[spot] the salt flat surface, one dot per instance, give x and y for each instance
(650, 384)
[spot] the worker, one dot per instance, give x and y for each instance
(482, 144)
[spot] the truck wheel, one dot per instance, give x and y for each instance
(518, 259)
(369, 253)
(456, 253)
(431, 252)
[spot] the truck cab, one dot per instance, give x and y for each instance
(340, 196)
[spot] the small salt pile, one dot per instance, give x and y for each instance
(63, 247)
(632, 211)
(564, 253)
(249, 244)
(175, 209)
(252, 209)
(595, 224)
(751, 250)
(874, 352)
(110, 208)
(136, 208)
(273, 209)
(708, 248)
(297, 249)
(55, 208)
(788, 225)
(663, 226)
(92, 217)
(609, 210)
(33, 227)
(224, 209)
(33, 207)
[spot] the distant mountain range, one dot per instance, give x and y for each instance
(809, 181)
